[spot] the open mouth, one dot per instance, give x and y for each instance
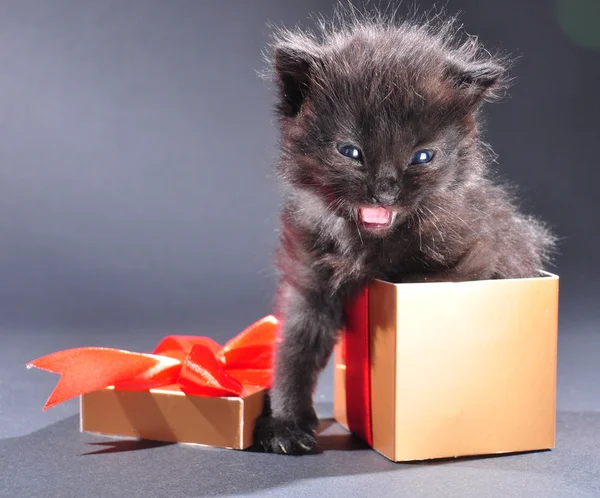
(376, 218)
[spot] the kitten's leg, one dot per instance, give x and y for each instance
(309, 330)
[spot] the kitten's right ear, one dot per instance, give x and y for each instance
(477, 81)
(293, 67)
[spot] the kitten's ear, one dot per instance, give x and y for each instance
(292, 65)
(477, 81)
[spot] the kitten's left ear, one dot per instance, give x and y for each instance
(477, 81)
(293, 62)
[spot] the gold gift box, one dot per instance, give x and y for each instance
(460, 369)
(168, 414)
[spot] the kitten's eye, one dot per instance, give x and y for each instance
(422, 157)
(350, 151)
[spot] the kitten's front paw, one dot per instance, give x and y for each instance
(284, 437)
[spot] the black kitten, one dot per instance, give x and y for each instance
(385, 176)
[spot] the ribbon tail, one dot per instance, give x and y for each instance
(84, 370)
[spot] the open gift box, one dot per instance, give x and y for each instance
(188, 390)
(440, 370)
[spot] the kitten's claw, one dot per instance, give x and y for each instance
(284, 437)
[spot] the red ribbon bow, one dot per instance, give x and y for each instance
(197, 365)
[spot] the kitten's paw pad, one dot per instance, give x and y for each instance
(285, 438)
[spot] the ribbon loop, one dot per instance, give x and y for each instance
(202, 374)
(180, 346)
(262, 332)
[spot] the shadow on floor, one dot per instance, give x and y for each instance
(119, 446)
(60, 461)
(75, 463)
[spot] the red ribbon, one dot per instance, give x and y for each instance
(198, 365)
(355, 349)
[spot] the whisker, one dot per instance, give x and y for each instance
(451, 214)
(358, 231)
(434, 224)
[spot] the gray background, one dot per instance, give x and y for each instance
(136, 199)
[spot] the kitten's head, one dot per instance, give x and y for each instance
(376, 115)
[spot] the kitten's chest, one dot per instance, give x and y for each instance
(405, 253)
(381, 258)
(385, 259)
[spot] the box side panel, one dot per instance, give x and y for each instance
(252, 409)
(552, 356)
(382, 334)
(476, 368)
(164, 416)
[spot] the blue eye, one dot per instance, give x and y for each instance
(422, 157)
(350, 151)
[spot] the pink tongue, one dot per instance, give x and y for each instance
(378, 215)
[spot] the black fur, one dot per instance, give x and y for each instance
(390, 88)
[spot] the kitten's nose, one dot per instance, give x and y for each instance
(387, 190)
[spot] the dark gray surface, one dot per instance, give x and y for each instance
(136, 145)
(43, 454)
